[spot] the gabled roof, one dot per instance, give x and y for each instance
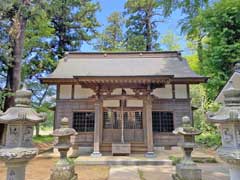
(235, 78)
(127, 64)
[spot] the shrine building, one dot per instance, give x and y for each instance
(137, 98)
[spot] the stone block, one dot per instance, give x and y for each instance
(121, 149)
(188, 172)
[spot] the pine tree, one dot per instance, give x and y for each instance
(112, 37)
(14, 16)
(74, 22)
(142, 19)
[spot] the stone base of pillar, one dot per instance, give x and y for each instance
(96, 154)
(16, 170)
(234, 173)
(150, 155)
(63, 170)
(75, 152)
(187, 172)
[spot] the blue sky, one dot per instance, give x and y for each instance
(169, 24)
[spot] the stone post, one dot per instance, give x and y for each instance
(75, 147)
(228, 119)
(18, 149)
(64, 168)
(97, 128)
(148, 110)
(187, 169)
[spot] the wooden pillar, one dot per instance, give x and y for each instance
(149, 131)
(97, 127)
(173, 91)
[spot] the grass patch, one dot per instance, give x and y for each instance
(43, 139)
(140, 173)
(175, 160)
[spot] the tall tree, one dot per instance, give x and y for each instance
(74, 22)
(142, 19)
(14, 16)
(189, 24)
(112, 37)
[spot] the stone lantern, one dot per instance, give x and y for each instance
(64, 168)
(228, 119)
(19, 120)
(187, 169)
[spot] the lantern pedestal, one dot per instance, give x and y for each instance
(232, 157)
(187, 169)
(187, 172)
(228, 120)
(16, 160)
(64, 168)
(234, 172)
(16, 169)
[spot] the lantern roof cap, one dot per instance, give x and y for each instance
(186, 128)
(230, 112)
(22, 111)
(231, 95)
(64, 130)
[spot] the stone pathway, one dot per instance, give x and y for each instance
(164, 172)
(157, 172)
(123, 172)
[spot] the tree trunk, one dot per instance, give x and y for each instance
(200, 50)
(14, 71)
(148, 33)
(37, 130)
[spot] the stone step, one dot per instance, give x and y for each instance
(121, 160)
(135, 147)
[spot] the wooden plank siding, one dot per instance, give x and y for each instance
(179, 107)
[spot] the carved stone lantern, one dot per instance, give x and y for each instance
(19, 120)
(228, 119)
(64, 168)
(187, 169)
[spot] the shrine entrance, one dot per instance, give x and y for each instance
(132, 126)
(123, 124)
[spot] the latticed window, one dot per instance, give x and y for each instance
(132, 119)
(162, 121)
(83, 121)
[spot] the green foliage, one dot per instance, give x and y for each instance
(74, 22)
(194, 62)
(52, 27)
(112, 37)
(43, 139)
(210, 136)
(142, 19)
(46, 108)
(141, 174)
(221, 22)
(3, 95)
(209, 139)
(175, 160)
(170, 41)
